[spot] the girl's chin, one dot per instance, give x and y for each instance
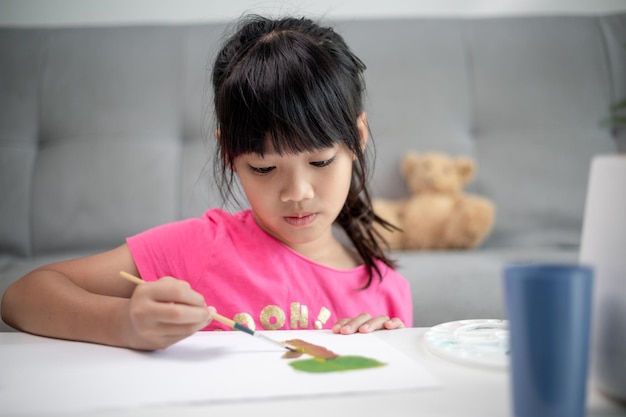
(298, 237)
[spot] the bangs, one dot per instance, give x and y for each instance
(290, 92)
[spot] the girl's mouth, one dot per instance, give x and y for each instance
(301, 220)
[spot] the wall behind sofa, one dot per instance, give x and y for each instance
(100, 12)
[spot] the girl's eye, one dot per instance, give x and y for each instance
(321, 164)
(261, 170)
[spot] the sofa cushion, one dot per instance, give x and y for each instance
(456, 285)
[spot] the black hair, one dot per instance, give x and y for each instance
(298, 84)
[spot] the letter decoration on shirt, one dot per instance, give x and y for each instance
(299, 314)
(273, 317)
(322, 318)
(245, 319)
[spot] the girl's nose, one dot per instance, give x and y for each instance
(296, 188)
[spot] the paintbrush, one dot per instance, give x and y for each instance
(218, 317)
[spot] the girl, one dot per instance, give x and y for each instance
(291, 128)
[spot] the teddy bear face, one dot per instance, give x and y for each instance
(434, 172)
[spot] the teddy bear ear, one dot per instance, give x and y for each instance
(466, 168)
(408, 162)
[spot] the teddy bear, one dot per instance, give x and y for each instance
(437, 214)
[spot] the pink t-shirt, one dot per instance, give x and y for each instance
(257, 280)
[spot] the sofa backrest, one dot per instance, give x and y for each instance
(107, 131)
(523, 96)
(101, 133)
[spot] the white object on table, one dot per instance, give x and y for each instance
(74, 377)
(466, 391)
(603, 246)
(478, 342)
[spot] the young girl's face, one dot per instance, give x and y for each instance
(297, 197)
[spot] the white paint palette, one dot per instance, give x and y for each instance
(479, 342)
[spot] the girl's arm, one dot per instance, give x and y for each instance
(85, 299)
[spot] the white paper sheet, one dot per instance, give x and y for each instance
(71, 377)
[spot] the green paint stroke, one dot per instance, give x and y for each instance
(341, 363)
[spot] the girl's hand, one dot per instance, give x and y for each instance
(163, 312)
(364, 323)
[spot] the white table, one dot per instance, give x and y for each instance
(467, 391)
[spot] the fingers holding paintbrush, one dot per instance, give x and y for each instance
(183, 297)
(164, 313)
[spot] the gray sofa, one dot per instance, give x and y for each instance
(103, 133)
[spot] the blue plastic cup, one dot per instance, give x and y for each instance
(548, 307)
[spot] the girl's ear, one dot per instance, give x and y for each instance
(361, 123)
